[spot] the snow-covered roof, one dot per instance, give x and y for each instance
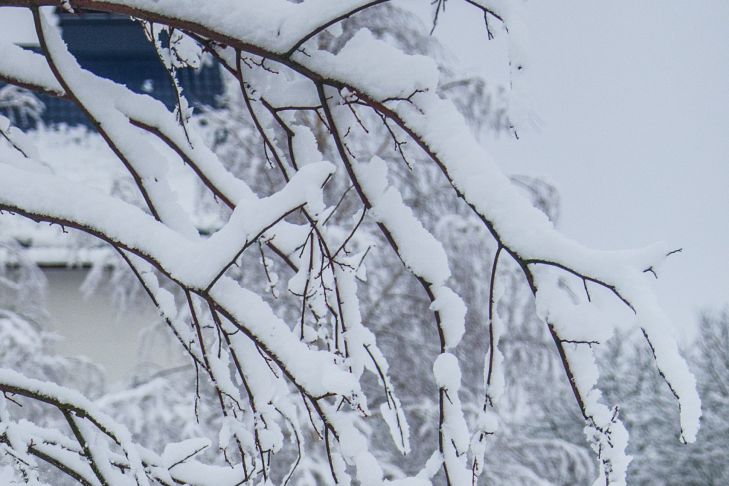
(82, 155)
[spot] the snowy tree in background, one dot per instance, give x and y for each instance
(707, 462)
(647, 406)
(356, 127)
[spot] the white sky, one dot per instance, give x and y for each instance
(632, 100)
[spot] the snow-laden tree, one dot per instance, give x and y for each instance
(282, 389)
(707, 462)
(647, 406)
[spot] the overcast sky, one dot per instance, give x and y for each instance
(632, 100)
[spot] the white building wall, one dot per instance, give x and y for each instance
(94, 327)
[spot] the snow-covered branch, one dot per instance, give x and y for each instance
(309, 108)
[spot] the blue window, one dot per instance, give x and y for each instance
(115, 47)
